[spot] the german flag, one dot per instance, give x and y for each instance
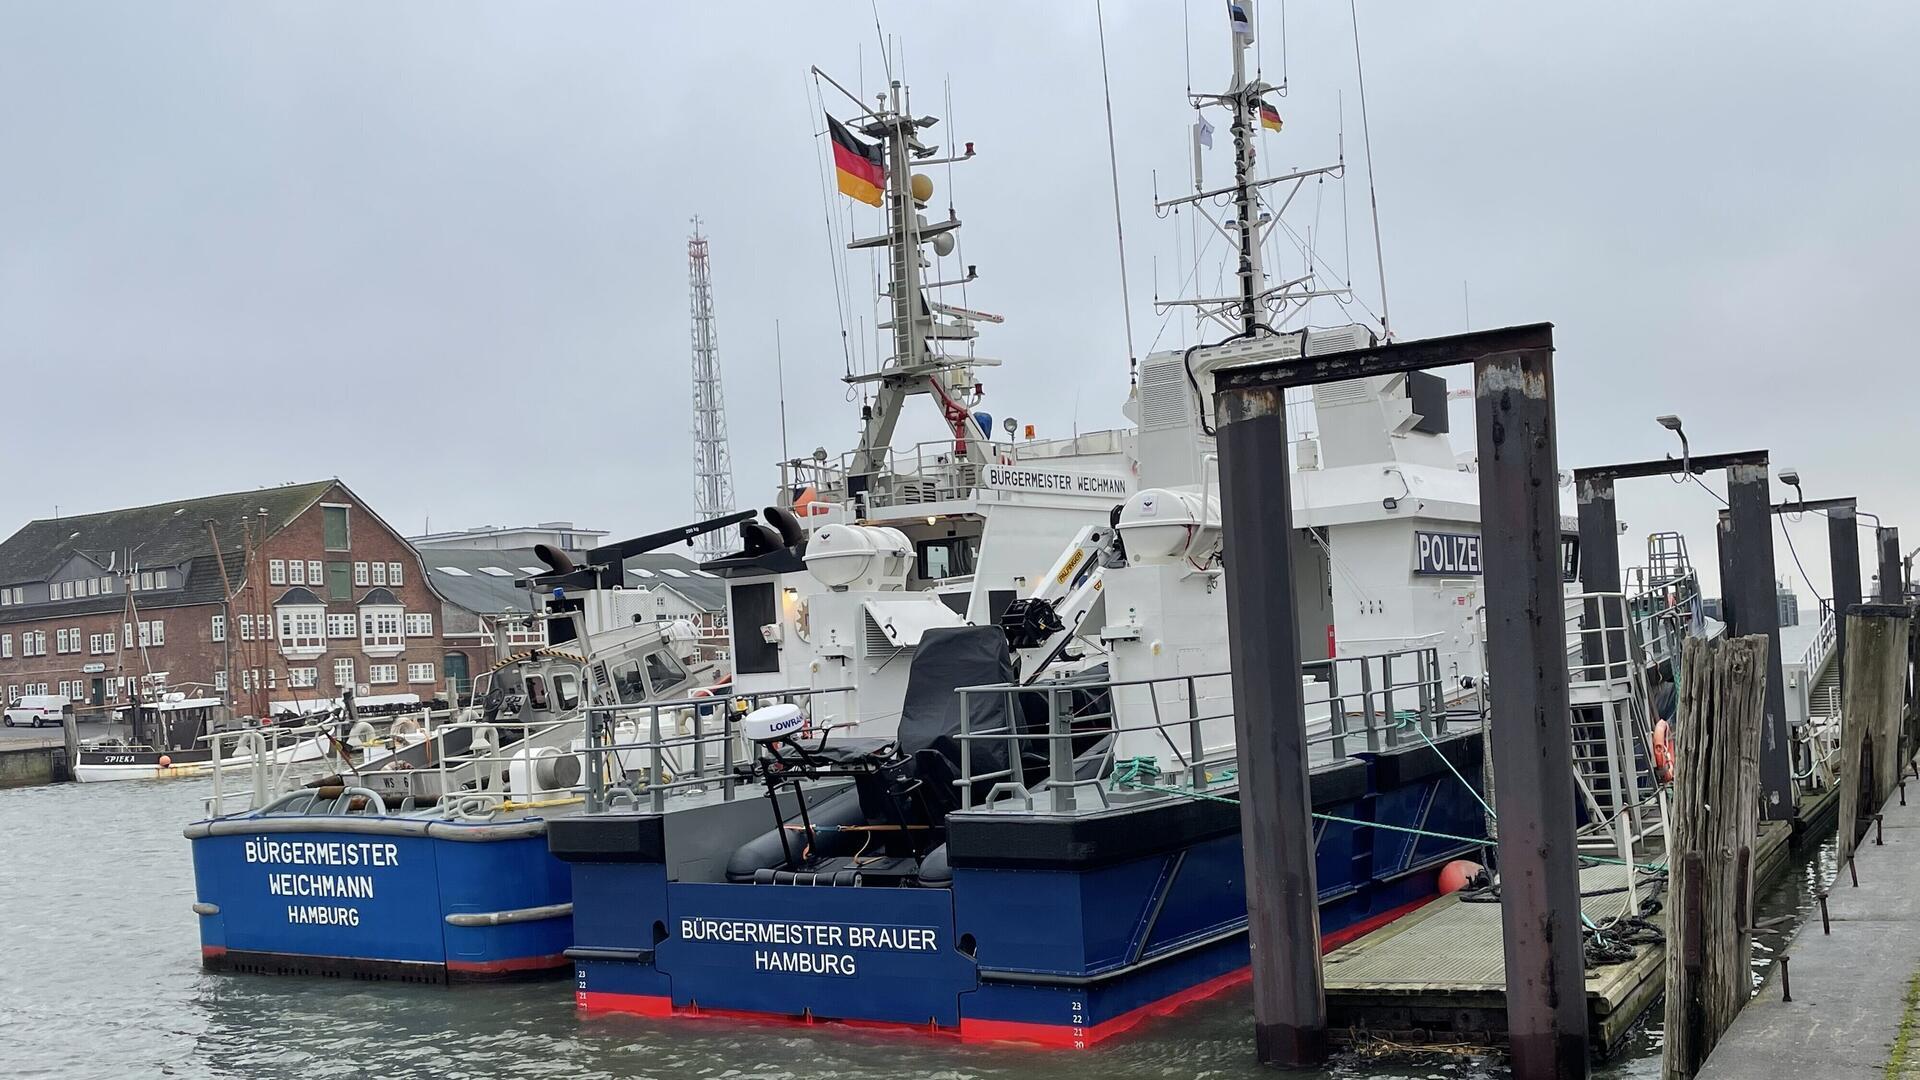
(861, 170)
(1269, 117)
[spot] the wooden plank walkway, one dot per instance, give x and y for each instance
(1438, 975)
(1855, 1008)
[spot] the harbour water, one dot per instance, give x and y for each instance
(100, 976)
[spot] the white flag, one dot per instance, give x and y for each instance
(1204, 132)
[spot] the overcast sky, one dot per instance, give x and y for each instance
(438, 249)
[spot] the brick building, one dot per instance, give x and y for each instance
(274, 599)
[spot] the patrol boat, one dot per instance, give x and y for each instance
(1013, 817)
(430, 863)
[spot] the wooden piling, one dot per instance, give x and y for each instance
(1713, 828)
(71, 729)
(1872, 700)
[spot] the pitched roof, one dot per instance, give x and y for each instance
(163, 534)
(481, 580)
(379, 596)
(201, 586)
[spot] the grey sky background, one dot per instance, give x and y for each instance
(438, 249)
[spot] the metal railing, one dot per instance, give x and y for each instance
(932, 471)
(1374, 701)
(687, 745)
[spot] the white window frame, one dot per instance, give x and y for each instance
(419, 673)
(6, 646)
(383, 674)
(159, 579)
(419, 624)
(106, 585)
(276, 571)
(393, 575)
(93, 586)
(316, 574)
(296, 572)
(303, 678)
(344, 663)
(379, 573)
(343, 627)
(302, 629)
(360, 574)
(219, 626)
(382, 628)
(219, 680)
(146, 580)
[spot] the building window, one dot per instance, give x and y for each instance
(219, 680)
(106, 585)
(343, 673)
(276, 571)
(380, 628)
(360, 574)
(246, 627)
(6, 646)
(300, 628)
(296, 573)
(393, 573)
(339, 585)
(6, 597)
(159, 579)
(153, 633)
(419, 624)
(383, 674)
(93, 644)
(13, 695)
(60, 641)
(379, 573)
(219, 628)
(93, 586)
(66, 590)
(419, 673)
(314, 574)
(107, 641)
(20, 595)
(127, 628)
(343, 626)
(303, 678)
(333, 527)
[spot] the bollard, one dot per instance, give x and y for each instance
(1786, 983)
(1826, 924)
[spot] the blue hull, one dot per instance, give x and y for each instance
(1055, 933)
(383, 898)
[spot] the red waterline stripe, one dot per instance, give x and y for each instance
(213, 950)
(978, 1030)
(513, 963)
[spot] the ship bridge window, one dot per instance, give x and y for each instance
(628, 684)
(1570, 556)
(536, 692)
(566, 689)
(948, 556)
(664, 671)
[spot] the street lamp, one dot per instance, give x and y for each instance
(1791, 478)
(1672, 423)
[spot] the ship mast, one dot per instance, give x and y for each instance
(919, 325)
(1255, 306)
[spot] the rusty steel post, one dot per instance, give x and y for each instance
(1531, 729)
(1843, 546)
(1269, 718)
(1886, 540)
(1749, 586)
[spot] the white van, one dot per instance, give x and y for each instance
(36, 709)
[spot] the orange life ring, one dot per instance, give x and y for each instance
(1663, 751)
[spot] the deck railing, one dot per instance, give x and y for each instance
(1361, 702)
